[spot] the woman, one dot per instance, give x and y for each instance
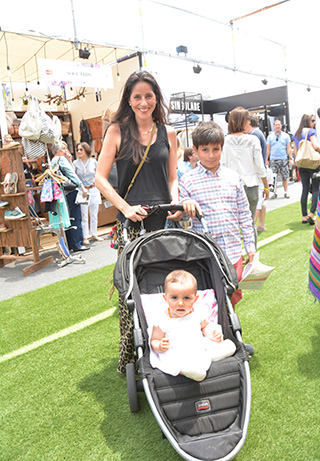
(85, 167)
(74, 233)
(139, 120)
(307, 123)
(242, 153)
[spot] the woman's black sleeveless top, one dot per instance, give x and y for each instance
(151, 184)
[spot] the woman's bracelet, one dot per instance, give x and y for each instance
(266, 189)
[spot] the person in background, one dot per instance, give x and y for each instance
(85, 167)
(74, 234)
(138, 122)
(261, 210)
(242, 153)
(190, 159)
(306, 131)
(278, 150)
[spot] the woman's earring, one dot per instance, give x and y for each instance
(129, 104)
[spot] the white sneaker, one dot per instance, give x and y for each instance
(286, 195)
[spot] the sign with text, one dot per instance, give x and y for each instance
(185, 106)
(78, 74)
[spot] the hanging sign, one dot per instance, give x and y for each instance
(185, 106)
(78, 74)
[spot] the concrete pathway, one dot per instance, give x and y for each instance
(12, 281)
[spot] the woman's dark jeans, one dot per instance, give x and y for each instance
(306, 177)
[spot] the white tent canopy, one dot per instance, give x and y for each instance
(266, 43)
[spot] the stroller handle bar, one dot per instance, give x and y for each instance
(158, 208)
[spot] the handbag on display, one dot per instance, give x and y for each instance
(34, 149)
(81, 200)
(307, 156)
(30, 126)
(47, 129)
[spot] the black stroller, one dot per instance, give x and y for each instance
(205, 420)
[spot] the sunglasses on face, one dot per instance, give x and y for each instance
(313, 121)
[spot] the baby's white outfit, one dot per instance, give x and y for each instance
(190, 352)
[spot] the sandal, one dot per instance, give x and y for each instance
(6, 183)
(13, 183)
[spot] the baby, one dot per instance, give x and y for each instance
(183, 341)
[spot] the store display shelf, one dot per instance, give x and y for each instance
(18, 194)
(25, 218)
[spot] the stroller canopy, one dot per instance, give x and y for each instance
(170, 245)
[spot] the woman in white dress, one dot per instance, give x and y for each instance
(85, 167)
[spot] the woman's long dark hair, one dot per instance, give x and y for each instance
(125, 116)
(304, 123)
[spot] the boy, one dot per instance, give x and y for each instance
(183, 341)
(218, 194)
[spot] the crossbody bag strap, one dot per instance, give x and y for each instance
(142, 161)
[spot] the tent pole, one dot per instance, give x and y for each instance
(76, 41)
(3, 120)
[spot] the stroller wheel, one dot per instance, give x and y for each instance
(132, 387)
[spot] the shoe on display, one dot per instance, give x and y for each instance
(13, 188)
(6, 183)
(286, 195)
(3, 203)
(14, 214)
(97, 238)
(8, 142)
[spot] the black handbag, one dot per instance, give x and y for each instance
(69, 186)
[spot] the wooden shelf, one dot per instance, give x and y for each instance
(17, 219)
(18, 194)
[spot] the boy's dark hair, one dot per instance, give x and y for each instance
(187, 154)
(254, 121)
(207, 133)
(237, 120)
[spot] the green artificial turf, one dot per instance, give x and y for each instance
(65, 401)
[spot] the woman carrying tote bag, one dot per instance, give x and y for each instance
(306, 174)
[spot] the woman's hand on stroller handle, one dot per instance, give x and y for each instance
(135, 213)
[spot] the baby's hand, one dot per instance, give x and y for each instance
(216, 336)
(164, 345)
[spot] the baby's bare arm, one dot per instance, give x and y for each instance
(158, 341)
(209, 330)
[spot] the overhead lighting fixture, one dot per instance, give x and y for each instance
(182, 49)
(197, 69)
(84, 53)
(264, 81)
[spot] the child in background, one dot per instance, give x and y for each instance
(218, 194)
(183, 341)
